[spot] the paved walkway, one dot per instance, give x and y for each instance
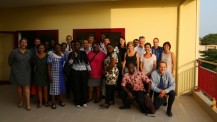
(185, 109)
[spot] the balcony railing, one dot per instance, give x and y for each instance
(207, 78)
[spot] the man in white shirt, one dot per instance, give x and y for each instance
(140, 49)
(68, 40)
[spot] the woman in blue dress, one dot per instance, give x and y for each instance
(56, 75)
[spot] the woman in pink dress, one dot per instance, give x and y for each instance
(96, 59)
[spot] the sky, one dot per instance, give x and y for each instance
(208, 17)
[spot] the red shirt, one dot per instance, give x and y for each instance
(97, 63)
(135, 81)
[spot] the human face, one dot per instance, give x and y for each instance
(90, 39)
(162, 68)
(41, 49)
(63, 47)
(131, 68)
(109, 48)
(147, 48)
(166, 48)
(23, 44)
(141, 42)
(37, 42)
(135, 43)
(130, 47)
(155, 42)
(46, 44)
(57, 49)
(95, 48)
(106, 41)
(68, 39)
(73, 46)
(122, 41)
(77, 46)
(85, 44)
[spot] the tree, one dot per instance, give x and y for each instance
(211, 54)
(210, 39)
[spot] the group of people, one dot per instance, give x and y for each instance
(94, 70)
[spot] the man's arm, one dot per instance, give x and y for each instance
(171, 84)
(154, 84)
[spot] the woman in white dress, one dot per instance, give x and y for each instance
(148, 61)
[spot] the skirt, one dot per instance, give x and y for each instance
(94, 82)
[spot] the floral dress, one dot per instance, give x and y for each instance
(112, 75)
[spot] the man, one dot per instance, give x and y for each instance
(157, 50)
(90, 40)
(163, 86)
(135, 42)
(103, 46)
(34, 49)
(140, 49)
(133, 87)
(68, 40)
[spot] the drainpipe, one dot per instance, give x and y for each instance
(177, 42)
(196, 42)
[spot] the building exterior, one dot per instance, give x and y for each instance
(176, 21)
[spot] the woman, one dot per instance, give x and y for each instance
(111, 74)
(56, 76)
(19, 61)
(41, 75)
(86, 46)
(169, 58)
(63, 47)
(96, 59)
(79, 75)
(130, 56)
(148, 61)
(121, 51)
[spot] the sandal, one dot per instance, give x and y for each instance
(46, 104)
(39, 105)
(62, 103)
(53, 106)
(28, 108)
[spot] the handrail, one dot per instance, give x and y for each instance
(209, 62)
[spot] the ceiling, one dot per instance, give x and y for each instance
(21, 3)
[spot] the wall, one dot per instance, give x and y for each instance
(162, 19)
(139, 18)
(187, 44)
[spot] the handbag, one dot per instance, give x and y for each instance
(67, 68)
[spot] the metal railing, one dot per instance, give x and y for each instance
(207, 78)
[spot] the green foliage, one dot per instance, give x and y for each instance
(210, 55)
(210, 39)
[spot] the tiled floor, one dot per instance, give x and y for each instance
(185, 109)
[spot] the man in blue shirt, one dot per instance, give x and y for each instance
(157, 50)
(163, 85)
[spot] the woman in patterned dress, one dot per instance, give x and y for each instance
(41, 75)
(56, 75)
(111, 74)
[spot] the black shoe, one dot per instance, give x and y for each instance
(170, 114)
(124, 107)
(165, 104)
